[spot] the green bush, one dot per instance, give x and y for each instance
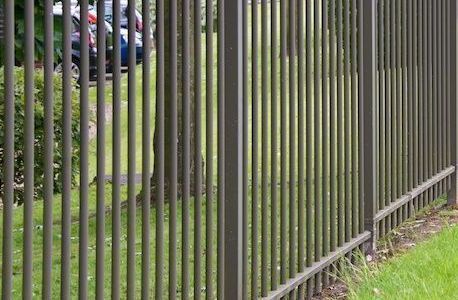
(19, 140)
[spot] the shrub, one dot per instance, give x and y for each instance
(19, 140)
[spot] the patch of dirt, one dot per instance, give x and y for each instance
(401, 240)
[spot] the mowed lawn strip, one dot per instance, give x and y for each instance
(429, 271)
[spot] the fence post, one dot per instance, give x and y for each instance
(453, 194)
(368, 115)
(233, 149)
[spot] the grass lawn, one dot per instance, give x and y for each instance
(429, 271)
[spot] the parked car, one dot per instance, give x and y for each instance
(125, 47)
(124, 21)
(76, 47)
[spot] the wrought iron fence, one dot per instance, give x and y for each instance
(237, 160)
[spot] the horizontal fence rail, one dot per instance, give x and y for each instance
(218, 149)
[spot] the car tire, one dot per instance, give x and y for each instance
(74, 69)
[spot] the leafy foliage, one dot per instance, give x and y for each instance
(19, 140)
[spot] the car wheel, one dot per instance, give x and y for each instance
(74, 70)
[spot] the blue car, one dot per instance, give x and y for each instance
(125, 47)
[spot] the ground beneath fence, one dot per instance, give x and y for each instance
(401, 240)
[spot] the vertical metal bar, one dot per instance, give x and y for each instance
(448, 88)
(100, 219)
(414, 51)
(116, 156)
(407, 99)
(399, 103)
(354, 119)
(160, 112)
(84, 155)
(292, 138)
(67, 151)
(434, 99)
(300, 139)
(172, 124)
(420, 69)
(333, 126)
(255, 151)
(197, 148)
(209, 150)
(368, 180)
(382, 100)
(347, 120)
(325, 136)
(283, 138)
(245, 244)
(221, 152)
(317, 138)
(131, 155)
(146, 151)
(29, 132)
(410, 93)
(421, 95)
(388, 74)
(8, 148)
(233, 148)
(431, 94)
(440, 80)
(186, 145)
(309, 136)
(265, 158)
(361, 207)
(340, 126)
(48, 194)
(453, 17)
(393, 114)
(274, 145)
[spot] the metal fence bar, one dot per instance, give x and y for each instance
(116, 156)
(100, 240)
(265, 154)
(48, 194)
(172, 170)
(160, 115)
(185, 146)
(220, 150)
(317, 140)
(84, 157)
(292, 137)
(67, 151)
(131, 149)
(29, 132)
(233, 149)
(354, 119)
(382, 96)
(347, 120)
(301, 242)
(368, 179)
(255, 152)
(197, 150)
(325, 135)
(209, 150)
(146, 151)
(8, 148)
(283, 142)
(274, 146)
(453, 11)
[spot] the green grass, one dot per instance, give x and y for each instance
(426, 272)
